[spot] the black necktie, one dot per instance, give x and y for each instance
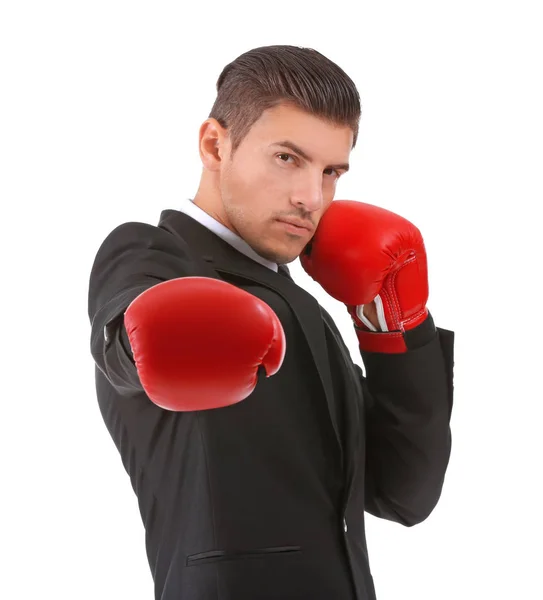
(283, 270)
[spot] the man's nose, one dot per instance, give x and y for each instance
(309, 195)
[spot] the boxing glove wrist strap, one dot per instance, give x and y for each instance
(396, 342)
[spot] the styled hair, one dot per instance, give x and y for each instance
(270, 75)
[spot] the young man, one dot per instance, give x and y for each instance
(253, 442)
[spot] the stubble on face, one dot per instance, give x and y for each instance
(256, 189)
(251, 215)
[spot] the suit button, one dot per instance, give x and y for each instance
(345, 525)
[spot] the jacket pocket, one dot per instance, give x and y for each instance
(221, 555)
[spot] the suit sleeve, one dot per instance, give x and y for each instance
(408, 401)
(132, 258)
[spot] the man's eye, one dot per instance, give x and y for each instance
(284, 155)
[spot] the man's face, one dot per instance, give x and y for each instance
(286, 167)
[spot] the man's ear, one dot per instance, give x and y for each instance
(213, 144)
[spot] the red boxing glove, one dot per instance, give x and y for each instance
(198, 343)
(361, 253)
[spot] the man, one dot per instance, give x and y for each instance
(253, 442)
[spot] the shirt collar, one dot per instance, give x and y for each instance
(194, 211)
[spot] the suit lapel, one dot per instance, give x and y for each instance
(224, 259)
(353, 400)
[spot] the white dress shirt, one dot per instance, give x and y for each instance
(189, 208)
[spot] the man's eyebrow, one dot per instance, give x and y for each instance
(295, 148)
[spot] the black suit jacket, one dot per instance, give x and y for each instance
(265, 499)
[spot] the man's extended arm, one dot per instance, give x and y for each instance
(132, 258)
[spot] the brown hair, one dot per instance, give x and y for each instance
(264, 77)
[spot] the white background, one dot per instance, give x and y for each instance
(100, 108)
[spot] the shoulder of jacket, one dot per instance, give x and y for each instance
(137, 234)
